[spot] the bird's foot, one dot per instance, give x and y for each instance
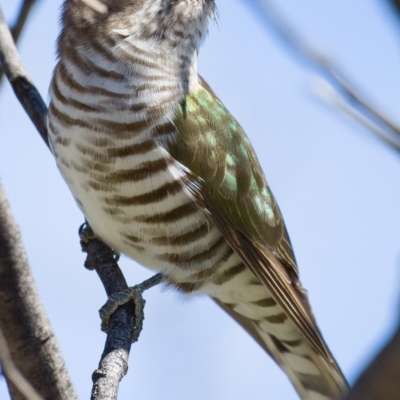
(86, 234)
(132, 293)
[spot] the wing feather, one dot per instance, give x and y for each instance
(235, 195)
(269, 270)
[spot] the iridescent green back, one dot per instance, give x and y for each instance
(216, 149)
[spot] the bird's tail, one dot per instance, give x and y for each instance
(313, 375)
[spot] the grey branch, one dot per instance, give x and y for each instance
(328, 93)
(331, 72)
(23, 321)
(13, 374)
(23, 88)
(113, 364)
(22, 17)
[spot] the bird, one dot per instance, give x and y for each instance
(164, 174)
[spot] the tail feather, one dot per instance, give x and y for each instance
(313, 377)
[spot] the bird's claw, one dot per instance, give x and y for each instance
(118, 299)
(86, 233)
(132, 293)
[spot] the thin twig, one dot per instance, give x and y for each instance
(20, 22)
(23, 88)
(330, 71)
(12, 372)
(327, 93)
(23, 14)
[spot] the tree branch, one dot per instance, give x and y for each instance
(113, 364)
(23, 321)
(332, 73)
(12, 373)
(380, 380)
(327, 92)
(122, 315)
(396, 5)
(23, 88)
(22, 17)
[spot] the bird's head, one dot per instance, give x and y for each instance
(147, 19)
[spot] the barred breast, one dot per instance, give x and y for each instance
(105, 128)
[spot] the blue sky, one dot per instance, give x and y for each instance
(337, 186)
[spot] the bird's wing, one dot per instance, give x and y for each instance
(237, 199)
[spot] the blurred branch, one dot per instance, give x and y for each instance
(381, 379)
(22, 17)
(23, 88)
(23, 321)
(12, 373)
(113, 364)
(343, 87)
(396, 4)
(327, 92)
(20, 22)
